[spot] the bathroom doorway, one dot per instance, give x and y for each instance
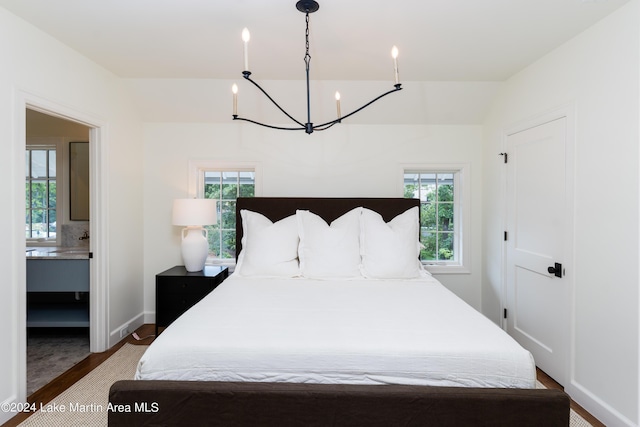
(57, 233)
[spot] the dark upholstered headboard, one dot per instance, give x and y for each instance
(277, 208)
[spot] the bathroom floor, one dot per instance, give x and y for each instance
(51, 351)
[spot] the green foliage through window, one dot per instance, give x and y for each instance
(226, 187)
(40, 193)
(435, 190)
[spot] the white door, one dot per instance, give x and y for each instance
(538, 240)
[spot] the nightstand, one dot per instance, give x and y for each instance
(177, 290)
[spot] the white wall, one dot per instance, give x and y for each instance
(35, 66)
(597, 73)
(348, 160)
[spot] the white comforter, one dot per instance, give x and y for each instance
(356, 331)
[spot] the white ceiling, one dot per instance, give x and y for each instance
(439, 40)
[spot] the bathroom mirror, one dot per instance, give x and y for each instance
(79, 181)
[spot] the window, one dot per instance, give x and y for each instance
(225, 186)
(442, 215)
(41, 193)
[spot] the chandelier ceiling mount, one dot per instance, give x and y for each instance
(307, 6)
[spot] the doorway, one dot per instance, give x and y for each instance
(539, 242)
(98, 330)
(57, 219)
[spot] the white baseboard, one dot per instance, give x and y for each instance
(125, 329)
(149, 317)
(597, 407)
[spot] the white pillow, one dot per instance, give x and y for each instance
(390, 250)
(328, 251)
(268, 249)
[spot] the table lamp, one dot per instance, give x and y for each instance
(193, 214)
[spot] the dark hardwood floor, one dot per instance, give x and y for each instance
(67, 379)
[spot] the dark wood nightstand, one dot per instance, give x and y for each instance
(177, 290)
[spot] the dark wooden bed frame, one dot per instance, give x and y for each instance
(209, 403)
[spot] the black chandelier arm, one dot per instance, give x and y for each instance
(235, 117)
(326, 126)
(246, 75)
(339, 119)
(312, 128)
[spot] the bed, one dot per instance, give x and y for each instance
(329, 319)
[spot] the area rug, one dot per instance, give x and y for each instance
(51, 351)
(85, 402)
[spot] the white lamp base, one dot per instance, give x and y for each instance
(195, 248)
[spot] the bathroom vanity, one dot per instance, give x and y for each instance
(57, 287)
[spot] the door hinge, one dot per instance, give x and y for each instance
(505, 236)
(506, 156)
(504, 314)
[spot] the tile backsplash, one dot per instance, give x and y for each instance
(72, 232)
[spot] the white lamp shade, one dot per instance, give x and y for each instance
(192, 212)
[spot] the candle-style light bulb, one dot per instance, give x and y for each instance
(234, 89)
(394, 55)
(338, 104)
(246, 36)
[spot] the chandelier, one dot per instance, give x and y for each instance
(306, 7)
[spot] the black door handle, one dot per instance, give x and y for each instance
(556, 270)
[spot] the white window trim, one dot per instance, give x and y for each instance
(196, 179)
(462, 199)
(196, 185)
(60, 145)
